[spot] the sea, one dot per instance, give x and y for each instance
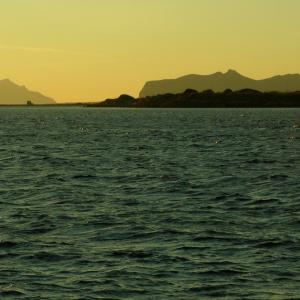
(108, 203)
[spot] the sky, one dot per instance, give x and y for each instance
(90, 50)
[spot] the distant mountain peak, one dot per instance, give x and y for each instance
(6, 81)
(232, 72)
(218, 82)
(13, 94)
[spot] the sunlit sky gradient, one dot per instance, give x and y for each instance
(76, 50)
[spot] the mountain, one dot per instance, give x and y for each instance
(219, 82)
(13, 94)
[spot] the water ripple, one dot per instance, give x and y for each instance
(149, 204)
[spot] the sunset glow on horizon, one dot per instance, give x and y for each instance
(74, 50)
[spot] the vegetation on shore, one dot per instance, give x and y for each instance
(208, 98)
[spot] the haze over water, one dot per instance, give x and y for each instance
(149, 204)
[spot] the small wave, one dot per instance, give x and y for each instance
(131, 254)
(264, 201)
(221, 197)
(170, 231)
(55, 176)
(56, 161)
(261, 161)
(208, 288)
(45, 256)
(84, 176)
(206, 238)
(11, 293)
(193, 248)
(39, 230)
(90, 283)
(279, 177)
(8, 255)
(131, 203)
(275, 243)
(7, 244)
(221, 272)
(212, 291)
(51, 257)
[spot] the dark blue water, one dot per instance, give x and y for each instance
(149, 204)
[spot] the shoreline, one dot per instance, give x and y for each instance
(245, 98)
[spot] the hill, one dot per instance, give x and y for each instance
(218, 82)
(13, 94)
(191, 98)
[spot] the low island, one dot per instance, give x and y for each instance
(206, 99)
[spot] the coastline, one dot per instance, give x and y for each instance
(245, 98)
(190, 99)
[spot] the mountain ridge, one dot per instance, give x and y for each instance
(219, 82)
(13, 94)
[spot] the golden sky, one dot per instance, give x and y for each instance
(83, 50)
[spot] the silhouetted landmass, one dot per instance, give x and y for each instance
(13, 94)
(218, 82)
(208, 98)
